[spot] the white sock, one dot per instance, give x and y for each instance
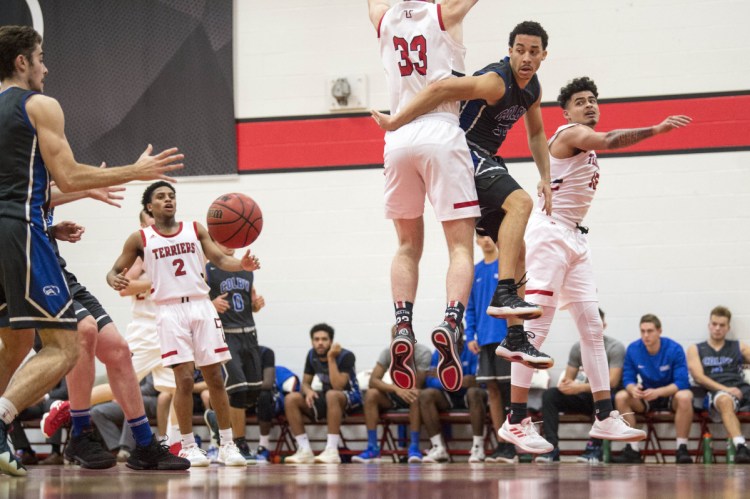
(8, 411)
(187, 440)
(478, 441)
(333, 441)
(637, 446)
(738, 441)
(265, 441)
(681, 441)
(437, 440)
(302, 441)
(173, 434)
(225, 436)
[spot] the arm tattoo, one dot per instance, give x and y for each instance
(627, 137)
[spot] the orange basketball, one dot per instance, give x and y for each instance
(234, 220)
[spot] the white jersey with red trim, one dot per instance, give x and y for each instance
(174, 263)
(416, 51)
(143, 308)
(574, 182)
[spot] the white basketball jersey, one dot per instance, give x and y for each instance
(143, 308)
(416, 51)
(175, 263)
(574, 182)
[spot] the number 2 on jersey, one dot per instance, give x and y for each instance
(179, 271)
(418, 45)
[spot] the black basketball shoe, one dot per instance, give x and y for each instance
(507, 304)
(155, 456)
(446, 341)
(87, 451)
(9, 463)
(742, 456)
(516, 347)
(403, 371)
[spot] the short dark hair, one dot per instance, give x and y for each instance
(573, 87)
(652, 319)
(722, 311)
(15, 41)
(531, 28)
(322, 327)
(148, 194)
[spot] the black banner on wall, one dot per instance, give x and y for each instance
(132, 72)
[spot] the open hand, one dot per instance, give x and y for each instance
(155, 167)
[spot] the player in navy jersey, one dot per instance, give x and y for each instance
(235, 299)
(33, 292)
(717, 365)
(497, 97)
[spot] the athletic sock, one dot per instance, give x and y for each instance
(403, 313)
(264, 441)
(602, 408)
(372, 438)
(225, 436)
(302, 441)
(8, 411)
(173, 434)
(437, 440)
(518, 412)
(681, 441)
(738, 441)
(187, 440)
(81, 419)
(414, 440)
(141, 430)
(478, 441)
(454, 312)
(333, 441)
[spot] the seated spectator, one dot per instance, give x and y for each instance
(112, 426)
(716, 365)
(381, 396)
(572, 395)
(18, 436)
(661, 365)
(334, 366)
(434, 399)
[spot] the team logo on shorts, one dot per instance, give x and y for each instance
(51, 290)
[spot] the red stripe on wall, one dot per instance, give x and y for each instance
(719, 122)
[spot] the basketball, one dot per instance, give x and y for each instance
(234, 220)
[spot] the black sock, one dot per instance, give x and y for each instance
(602, 408)
(56, 448)
(403, 313)
(518, 412)
(454, 312)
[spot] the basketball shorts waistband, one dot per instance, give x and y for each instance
(182, 299)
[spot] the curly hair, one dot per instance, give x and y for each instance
(573, 87)
(15, 41)
(149, 193)
(531, 28)
(322, 327)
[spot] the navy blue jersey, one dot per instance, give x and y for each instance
(239, 286)
(345, 362)
(24, 180)
(486, 126)
(724, 365)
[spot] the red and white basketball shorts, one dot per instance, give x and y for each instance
(145, 348)
(429, 156)
(558, 262)
(191, 331)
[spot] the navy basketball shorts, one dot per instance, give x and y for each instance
(494, 185)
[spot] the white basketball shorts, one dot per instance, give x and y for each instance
(429, 156)
(145, 349)
(558, 262)
(191, 331)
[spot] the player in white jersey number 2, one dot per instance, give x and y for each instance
(558, 258)
(190, 332)
(421, 43)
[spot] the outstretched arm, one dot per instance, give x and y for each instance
(106, 195)
(48, 119)
(539, 151)
(225, 262)
(488, 87)
(586, 139)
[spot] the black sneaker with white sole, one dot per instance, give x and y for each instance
(446, 341)
(516, 347)
(402, 369)
(507, 304)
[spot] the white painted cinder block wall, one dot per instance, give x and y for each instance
(670, 234)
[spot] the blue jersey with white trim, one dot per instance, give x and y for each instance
(24, 180)
(486, 126)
